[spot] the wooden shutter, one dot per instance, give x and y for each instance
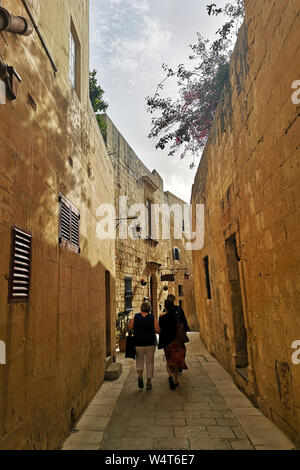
(64, 220)
(69, 224)
(20, 266)
(128, 293)
(75, 217)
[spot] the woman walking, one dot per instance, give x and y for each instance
(171, 342)
(145, 328)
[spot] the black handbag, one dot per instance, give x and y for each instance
(181, 335)
(130, 346)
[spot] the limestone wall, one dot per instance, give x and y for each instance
(248, 180)
(50, 142)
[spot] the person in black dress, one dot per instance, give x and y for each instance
(175, 350)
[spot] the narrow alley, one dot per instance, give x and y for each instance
(126, 181)
(207, 412)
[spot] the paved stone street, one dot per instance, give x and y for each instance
(207, 412)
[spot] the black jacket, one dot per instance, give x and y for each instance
(168, 326)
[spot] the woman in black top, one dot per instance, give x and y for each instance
(175, 350)
(145, 329)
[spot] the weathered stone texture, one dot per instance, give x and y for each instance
(56, 344)
(248, 180)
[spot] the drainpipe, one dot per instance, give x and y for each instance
(14, 24)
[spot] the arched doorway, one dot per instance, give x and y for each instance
(153, 294)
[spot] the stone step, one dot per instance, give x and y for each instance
(114, 371)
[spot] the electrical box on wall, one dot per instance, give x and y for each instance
(2, 92)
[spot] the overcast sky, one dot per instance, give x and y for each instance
(129, 41)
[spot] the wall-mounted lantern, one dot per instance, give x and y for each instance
(14, 24)
(143, 282)
(186, 276)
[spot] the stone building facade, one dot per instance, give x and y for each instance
(247, 275)
(54, 172)
(144, 256)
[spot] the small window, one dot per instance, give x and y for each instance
(75, 60)
(69, 225)
(176, 254)
(20, 266)
(206, 268)
(72, 68)
(128, 293)
(180, 291)
(181, 304)
(149, 218)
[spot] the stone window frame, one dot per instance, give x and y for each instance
(75, 60)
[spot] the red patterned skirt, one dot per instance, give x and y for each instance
(175, 356)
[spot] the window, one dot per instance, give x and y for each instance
(75, 60)
(72, 68)
(176, 254)
(206, 268)
(181, 304)
(149, 218)
(69, 218)
(128, 293)
(20, 266)
(180, 291)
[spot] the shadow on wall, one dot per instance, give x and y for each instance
(56, 343)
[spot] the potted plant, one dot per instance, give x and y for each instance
(122, 323)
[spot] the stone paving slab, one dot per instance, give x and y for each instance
(206, 412)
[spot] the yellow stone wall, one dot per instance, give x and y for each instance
(132, 256)
(249, 181)
(56, 344)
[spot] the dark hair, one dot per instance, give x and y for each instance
(171, 298)
(169, 305)
(146, 307)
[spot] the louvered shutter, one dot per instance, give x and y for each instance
(75, 217)
(65, 224)
(20, 266)
(69, 224)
